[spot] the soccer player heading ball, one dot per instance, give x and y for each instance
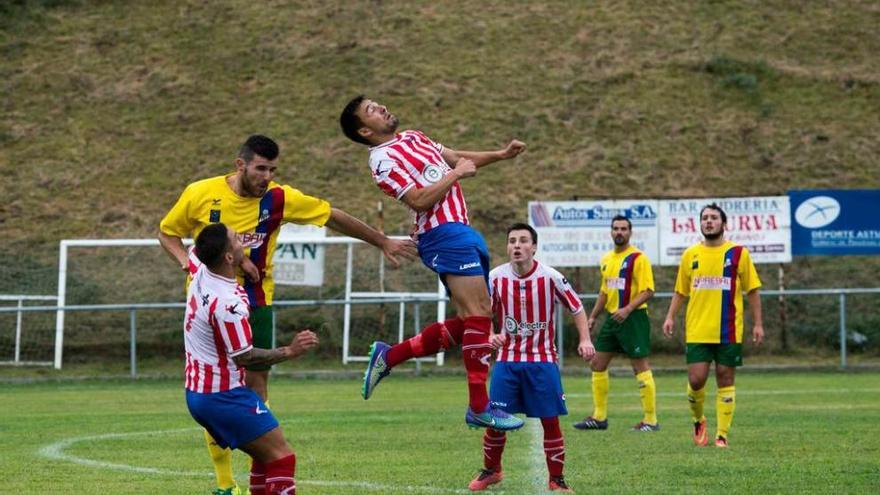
(425, 175)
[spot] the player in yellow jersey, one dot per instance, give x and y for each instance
(627, 284)
(251, 203)
(714, 274)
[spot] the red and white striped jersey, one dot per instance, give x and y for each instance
(411, 160)
(525, 308)
(215, 329)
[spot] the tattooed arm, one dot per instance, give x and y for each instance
(302, 342)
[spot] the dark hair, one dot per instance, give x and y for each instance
(523, 226)
(211, 244)
(621, 218)
(350, 122)
(714, 206)
(258, 144)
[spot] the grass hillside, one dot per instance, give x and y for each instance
(109, 108)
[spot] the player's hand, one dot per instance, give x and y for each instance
(667, 328)
(250, 269)
(302, 342)
(393, 249)
(758, 334)
(497, 340)
(513, 149)
(621, 314)
(590, 323)
(586, 350)
(465, 167)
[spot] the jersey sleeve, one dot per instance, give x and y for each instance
(390, 175)
(683, 279)
(747, 273)
(566, 294)
(194, 264)
(178, 222)
(303, 209)
(644, 273)
(235, 330)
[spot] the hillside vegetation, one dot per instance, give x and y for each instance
(109, 108)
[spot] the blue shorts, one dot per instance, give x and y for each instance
(531, 388)
(455, 249)
(234, 418)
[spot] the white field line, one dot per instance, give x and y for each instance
(56, 451)
(537, 461)
(745, 391)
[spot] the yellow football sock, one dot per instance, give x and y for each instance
(695, 400)
(600, 394)
(648, 394)
(222, 459)
(724, 407)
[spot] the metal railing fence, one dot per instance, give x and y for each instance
(416, 302)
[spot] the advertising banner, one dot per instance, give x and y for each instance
(297, 263)
(578, 233)
(835, 222)
(761, 224)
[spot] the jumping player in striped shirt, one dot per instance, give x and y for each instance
(425, 175)
(714, 275)
(526, 378)
(627, 285)
(254, 205)
(219, 343)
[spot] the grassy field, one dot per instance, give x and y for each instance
(793, 433)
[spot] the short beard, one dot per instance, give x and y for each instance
(713, 237)
(621, 242)
(392, 126)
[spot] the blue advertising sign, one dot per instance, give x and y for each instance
(835, 221)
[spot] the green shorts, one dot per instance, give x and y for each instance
(725, 354)
(632, 337)
(261, 329)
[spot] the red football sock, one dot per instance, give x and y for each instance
(476, 351)
(554, 446)
(258, 478)
(429, 341)
(279, 476)
(493, 447)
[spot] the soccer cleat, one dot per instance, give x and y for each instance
(377, 369)
(642, 426)
(721, 442)
(492, 418)
(484, 479)
(591, 423)
(558, 484)
(234, 490)
(701, 437)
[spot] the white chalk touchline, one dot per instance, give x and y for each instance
(748, 392)
(56, 451)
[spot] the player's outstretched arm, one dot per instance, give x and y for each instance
(393, 249)
(302, 342)
(483, 158)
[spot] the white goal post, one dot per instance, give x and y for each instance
(439, 296)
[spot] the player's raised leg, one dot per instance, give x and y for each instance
(470, 294)
(432, 339)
